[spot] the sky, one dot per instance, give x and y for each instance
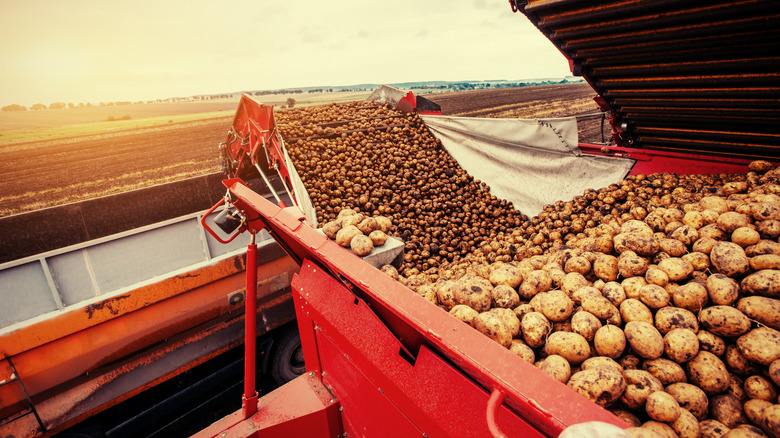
(101, 51)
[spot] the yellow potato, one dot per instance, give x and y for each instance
(644, 339)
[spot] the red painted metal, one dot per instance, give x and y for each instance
(652, 161)
(495, 400)
(254, 134)
(212, 232)
(302, 408)
(250, 324)
(396, 363)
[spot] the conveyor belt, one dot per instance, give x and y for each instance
(682, 75)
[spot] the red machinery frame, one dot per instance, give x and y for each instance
(382, 361)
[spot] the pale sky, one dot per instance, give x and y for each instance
(93, 51)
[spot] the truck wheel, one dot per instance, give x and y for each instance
(287, 362)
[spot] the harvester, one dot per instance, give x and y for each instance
(121, 305)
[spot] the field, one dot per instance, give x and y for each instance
(53, 157)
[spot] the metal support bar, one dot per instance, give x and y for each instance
(249, 405)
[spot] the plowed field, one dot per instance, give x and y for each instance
(38, 174)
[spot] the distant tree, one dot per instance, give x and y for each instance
(89, 104)
(57, 105)
(14, 107)
(290, 102)
(71, 105)
(81, 104)
(38, 107)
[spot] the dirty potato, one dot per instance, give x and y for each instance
(361, 245)
(708, 372)
(644, 339)
(601, 385)
(491, 325)
(556, 367)
(609, 341)
(571, 346)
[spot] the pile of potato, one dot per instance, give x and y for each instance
(379, 161)
(658, 298)
(358, 232)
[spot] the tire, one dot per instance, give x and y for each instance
(287, 361)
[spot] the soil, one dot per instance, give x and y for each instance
(39, 174)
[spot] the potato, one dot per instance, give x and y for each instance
(676, 268)
(710, 342)
(509, 318)
(636, 226)
(713, 429)
(601, 385)
(601, 361)
(632, 265)
(722, 290)
(681, 345)
(556, 305)
(641, 244)
(378, 237)
(491, 325)
(605, 267)
(474, 292)
(346, 212)
(655, 276)
(699, 260)
(361, 245)
(754, 410)
(724, 321)
(522, 309)
(639, 385)
(505, 296)
(763, 247)
(665, 370)
(384, 223)
(630, 362)
(757, 387)
(632, 285)
(609, 341)
(708, 372)
(534, 282)
(685, 234)
(691, 296)
(712, 231)
(464, 313)
(737, 363)
(727, 409)
(735, 388)
(704, 245)
(577, 264)
(614, 292)
(581, 294)
(344, 236)
(768, 229)
(507, 275)
(519, 348)
(729, 221)
(673, 247)
(771, 423)
(352, 219)
(774, 372)
(661, 406)
(586, 324)
(765, 261)
(765, 283)
(686, 425)
(644, 339)
(535, 328)
(745, 236)
(669, 318)
(571, 346)
(691, 398)
(654, 296)
(556, 367)
(331, 228)
(600, 307)
(760, 345)
(729, 259)
(390, 270)
(634, 310)
(367, 225)
(573, 281)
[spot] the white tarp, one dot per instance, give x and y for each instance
(531, 163)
